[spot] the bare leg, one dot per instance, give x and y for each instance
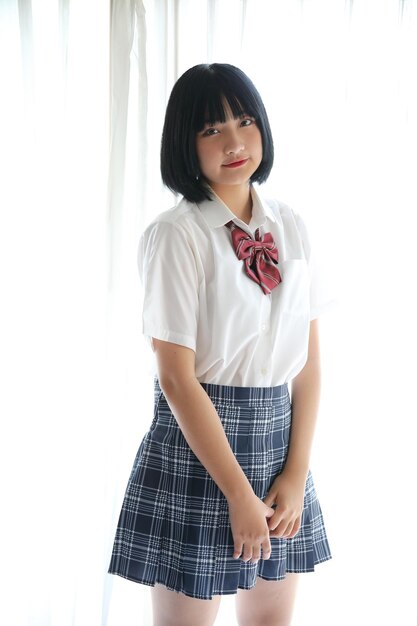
(176, 609)
(269, 603)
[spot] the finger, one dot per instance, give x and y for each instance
(269, 513)
(280, 528)
(274, 533)
(288, 530)
(296, 528)
(274, 520)
(247, 553)
(266, 549)
(269, 499)
(237, 550)
(256, 554)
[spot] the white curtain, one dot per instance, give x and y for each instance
(54, 393)
(79, 181)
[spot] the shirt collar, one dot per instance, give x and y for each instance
(217, 214)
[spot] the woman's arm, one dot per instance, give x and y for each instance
(204, 433)
(287, 491)
(305, 404)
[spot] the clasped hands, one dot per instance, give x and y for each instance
(286, 498)
(254, 521)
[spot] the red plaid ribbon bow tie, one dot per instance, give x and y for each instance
(260, 255)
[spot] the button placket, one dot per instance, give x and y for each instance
(265, 315)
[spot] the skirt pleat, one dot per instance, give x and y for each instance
(174, 526)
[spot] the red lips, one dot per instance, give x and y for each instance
(236, 163)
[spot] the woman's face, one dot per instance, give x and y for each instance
(230, 152)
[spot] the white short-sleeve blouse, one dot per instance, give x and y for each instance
(197, 293)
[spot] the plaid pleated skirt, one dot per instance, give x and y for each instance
(174, 524)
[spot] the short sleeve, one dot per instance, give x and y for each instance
(321, 296)
(167, 268)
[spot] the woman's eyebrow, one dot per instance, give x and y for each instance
(235, 117)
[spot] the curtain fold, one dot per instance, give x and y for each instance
(27, 51)
(64, 22)
(122, 28)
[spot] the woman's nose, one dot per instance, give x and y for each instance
(234, 143)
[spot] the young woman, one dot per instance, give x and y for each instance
(220, 499)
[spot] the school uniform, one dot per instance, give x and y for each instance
(174, 524)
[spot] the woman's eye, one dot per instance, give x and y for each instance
(209, 132)
(247, 121)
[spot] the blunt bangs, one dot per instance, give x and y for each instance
(213, 100)
(200, 96)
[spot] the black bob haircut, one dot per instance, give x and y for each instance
(198, 96)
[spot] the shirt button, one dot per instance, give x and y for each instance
(263, 328)
(264, 371)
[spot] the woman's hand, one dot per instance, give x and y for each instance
(248, 519)
(287, 493)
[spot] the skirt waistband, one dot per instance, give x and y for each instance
(251, 395)
(246, 394)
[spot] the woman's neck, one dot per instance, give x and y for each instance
(237, 198)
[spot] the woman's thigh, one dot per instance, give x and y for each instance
(269, 603)
(176, 609)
